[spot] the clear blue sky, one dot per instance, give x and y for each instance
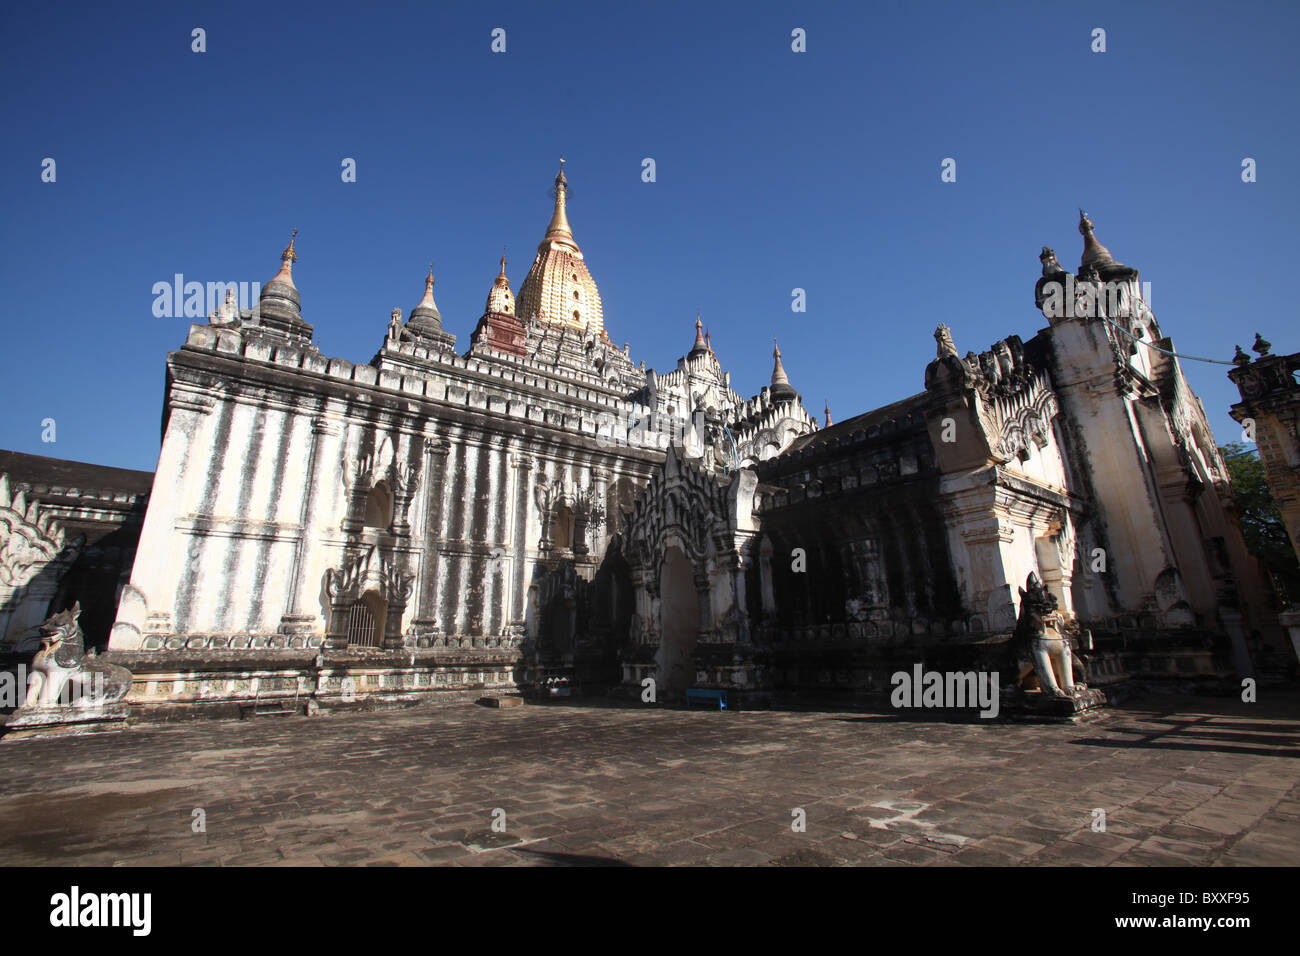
(775, 170)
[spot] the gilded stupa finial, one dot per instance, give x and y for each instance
(287, 259)
(558, 228)
(502, 282)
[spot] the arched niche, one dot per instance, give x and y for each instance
(379, 506)
(562, 529)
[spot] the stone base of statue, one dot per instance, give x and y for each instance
(64, 721)
(1086, 703)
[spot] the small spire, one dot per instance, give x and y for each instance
(778, 370)
(828, 415)
(1094, 253)
(500, 300)
(699, 334)
(426, 306)
(287, 259)
(1261, 345)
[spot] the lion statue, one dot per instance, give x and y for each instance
(1041, 645)
(1051, 265)
(64, 675)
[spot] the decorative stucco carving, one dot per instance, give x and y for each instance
(29, 537)
(1031, 422)
(367, 571)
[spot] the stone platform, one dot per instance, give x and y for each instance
(1183, 781)
(64, 721)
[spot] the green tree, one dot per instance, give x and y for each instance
(1261, 522)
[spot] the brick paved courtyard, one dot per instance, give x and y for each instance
(1183, 781)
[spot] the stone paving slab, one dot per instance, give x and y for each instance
(1183, 781)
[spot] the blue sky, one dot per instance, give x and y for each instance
(775, 170)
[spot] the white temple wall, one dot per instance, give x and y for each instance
(169, 553)
(1045, 465)
(1116, 459)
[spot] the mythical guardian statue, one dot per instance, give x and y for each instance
(64, 675)
(1041, 645)
(944, 342)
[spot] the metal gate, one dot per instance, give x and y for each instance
(361, 626)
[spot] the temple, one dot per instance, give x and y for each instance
(542, 508)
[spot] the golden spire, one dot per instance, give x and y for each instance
(500, 300)
(558, 229)
(558, 288)
(501, 276)
(287, 259)
(828, 415)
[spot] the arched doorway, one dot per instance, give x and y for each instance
(613, 601)
(680, 620)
